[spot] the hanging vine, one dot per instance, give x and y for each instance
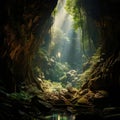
(83, 21)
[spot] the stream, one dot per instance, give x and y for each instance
(60, 116)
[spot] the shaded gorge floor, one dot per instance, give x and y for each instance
(70, 104)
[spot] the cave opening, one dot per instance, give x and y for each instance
(61, 59)
(67, 49)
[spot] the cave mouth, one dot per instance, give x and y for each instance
(65, 53)
(59, 76)
(62, 62)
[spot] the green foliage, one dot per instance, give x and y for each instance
(73, 8)
(83, 21)
(51, 68)
(96, 57)
(39, 61)
(59, 38)
(89, 66)
(56, 70)
(51, 86)
(71, 78)
(22, 95)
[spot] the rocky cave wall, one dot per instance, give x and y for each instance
(23, 24)
(105, 73)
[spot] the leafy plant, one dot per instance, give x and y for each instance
(82, 21)
(22, 95)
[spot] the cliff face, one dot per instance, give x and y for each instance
(105, 73)
(23, 24)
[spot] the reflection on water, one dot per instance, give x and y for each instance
(60, 116)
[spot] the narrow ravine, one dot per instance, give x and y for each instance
(59, 60)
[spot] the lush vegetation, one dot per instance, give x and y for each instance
(53, 61)
(90, 33)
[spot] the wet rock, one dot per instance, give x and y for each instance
(72, 90)
(41, 105)
(101, 94)
(101, 98)
(71, 110)
(86, 97)
(111, 113)
(112, 117)
(111, 110)
(83, 100)
(83, 92)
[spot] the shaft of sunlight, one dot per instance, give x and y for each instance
(61, 30)
(64, 39)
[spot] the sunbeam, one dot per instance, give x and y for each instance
(65, 40)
